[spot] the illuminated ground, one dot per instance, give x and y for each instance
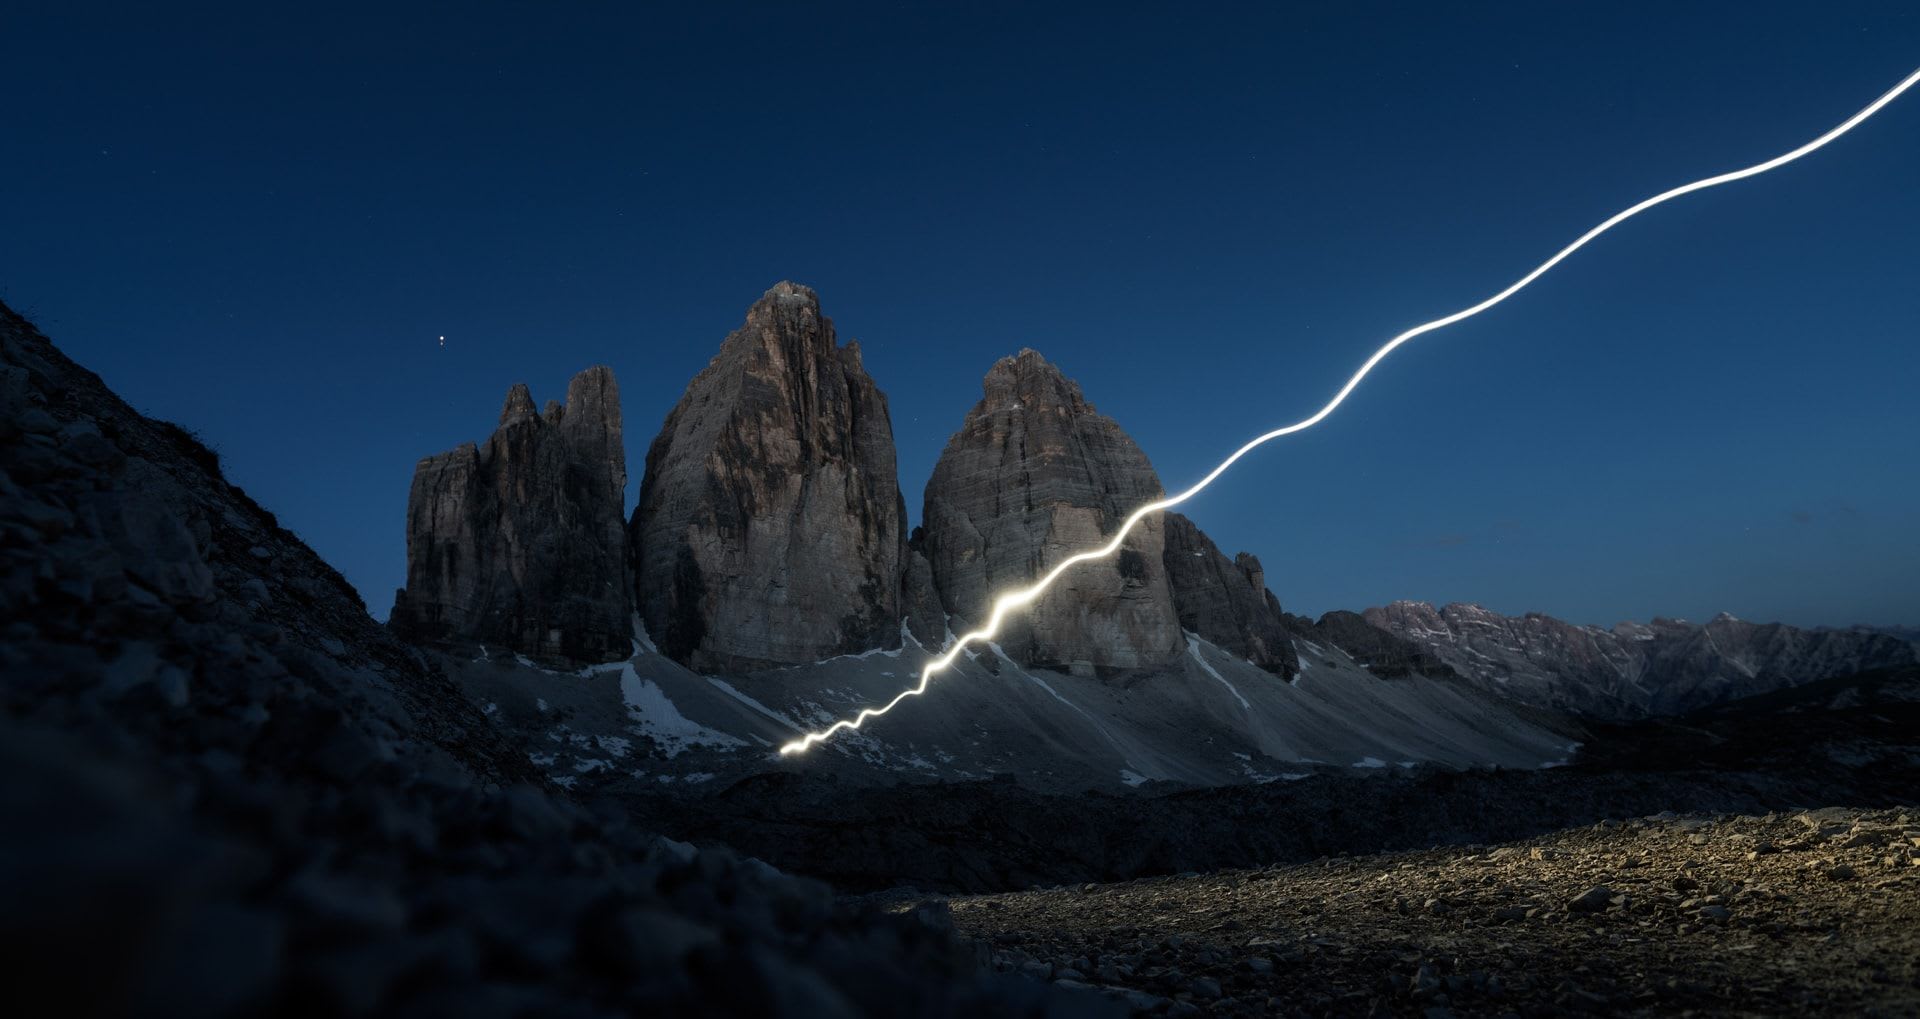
(1815, 912)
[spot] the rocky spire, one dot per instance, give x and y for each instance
(520, 543)
(770, 529)
(1226, 601)
(1035, 474)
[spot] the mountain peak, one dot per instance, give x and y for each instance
(1029, 380)
(775, 472)
(789, 292)
(521, 542)
(519, 405)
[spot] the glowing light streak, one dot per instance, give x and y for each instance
(1016, 599)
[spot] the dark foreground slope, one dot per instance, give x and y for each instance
(1853, 742)
(227, 790)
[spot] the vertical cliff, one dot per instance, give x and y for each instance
(520, 543)
(1226, 600)
(1034, 475)
(770, 528)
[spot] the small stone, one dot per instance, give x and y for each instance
(1841, 872)
(1593, 900)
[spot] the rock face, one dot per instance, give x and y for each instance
(1633, 670)
(919, 598)
(1226, 600)
(520, 543)
(1381, 652)
(770, 529)
(1036, 474)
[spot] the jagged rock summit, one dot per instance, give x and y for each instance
(521, 543)
(1632, 670)
(1035, 474)
(1226, 600)
(770, 529)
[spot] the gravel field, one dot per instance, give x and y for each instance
(1815, 912)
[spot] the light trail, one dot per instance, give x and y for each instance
(1015, 599)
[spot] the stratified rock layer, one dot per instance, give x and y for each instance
(1226, 600)
(1632, 670)
(770, 529)
(521, 543)
(1036, 474)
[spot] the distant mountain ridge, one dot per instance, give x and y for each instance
(1632, 670)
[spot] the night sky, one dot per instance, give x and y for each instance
(259, 223)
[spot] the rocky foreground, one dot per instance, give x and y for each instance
(1816, 912)
(228, 791)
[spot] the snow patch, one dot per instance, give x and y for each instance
(1132, 778)
(1370, 762)
(727, 688)
(864, 655)
(1193, 650)
(654, 715)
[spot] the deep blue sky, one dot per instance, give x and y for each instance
(257, 223)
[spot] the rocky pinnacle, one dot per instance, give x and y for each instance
(1036, 474)
(520, 543)
(770, 529)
